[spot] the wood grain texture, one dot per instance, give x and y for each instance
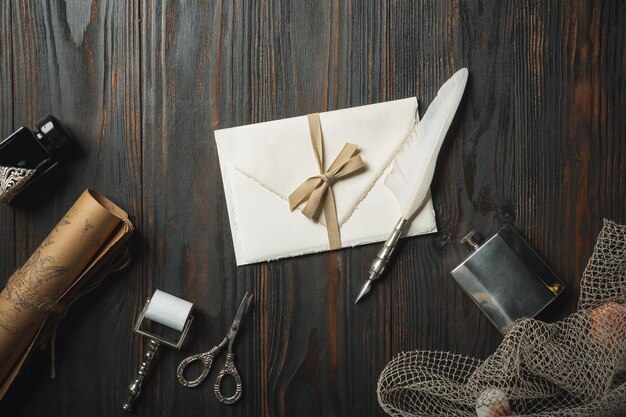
(539, 140)
(93, 86)
(7, 224)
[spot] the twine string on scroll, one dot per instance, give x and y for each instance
(317, 191)
(58, 309)
(79, 252)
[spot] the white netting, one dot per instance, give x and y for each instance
(575, 367)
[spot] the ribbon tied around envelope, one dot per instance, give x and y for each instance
(317, 191)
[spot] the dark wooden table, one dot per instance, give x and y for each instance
(539, 139)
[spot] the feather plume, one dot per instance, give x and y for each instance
(410, 186)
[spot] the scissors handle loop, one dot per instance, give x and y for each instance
(228, 369)
(207, 360)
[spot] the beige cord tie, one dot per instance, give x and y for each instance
(58, 309)
(317, 191)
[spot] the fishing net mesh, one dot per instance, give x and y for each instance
(575, 367)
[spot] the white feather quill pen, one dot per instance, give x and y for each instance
(410, 186)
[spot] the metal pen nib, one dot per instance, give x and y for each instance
(364, 290)
(378, 266)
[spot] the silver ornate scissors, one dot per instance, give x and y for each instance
(229, 366)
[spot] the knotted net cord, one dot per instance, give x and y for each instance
(575, 367)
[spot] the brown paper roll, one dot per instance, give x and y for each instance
(79, 246)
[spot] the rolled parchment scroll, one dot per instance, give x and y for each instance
(80, 249)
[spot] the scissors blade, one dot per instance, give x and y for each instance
(243, 307)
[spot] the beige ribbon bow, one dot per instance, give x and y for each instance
(317, 191)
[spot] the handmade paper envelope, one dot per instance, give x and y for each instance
(263, 163)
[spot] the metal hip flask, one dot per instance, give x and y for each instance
(506, 278)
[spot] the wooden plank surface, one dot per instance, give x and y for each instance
(7, 223)
(80, 61)
(539, 140)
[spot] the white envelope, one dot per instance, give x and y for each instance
(263, 163)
